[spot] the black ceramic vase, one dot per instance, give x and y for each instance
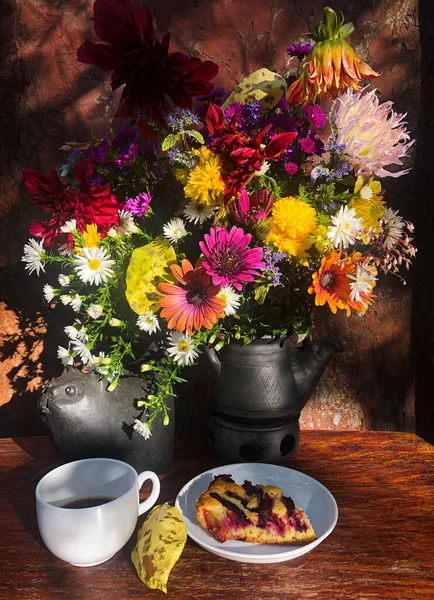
(85, 420)
(258, 393)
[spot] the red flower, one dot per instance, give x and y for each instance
(86, 204)
(241, 155)
(153, 77)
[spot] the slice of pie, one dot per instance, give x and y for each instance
(252, 513)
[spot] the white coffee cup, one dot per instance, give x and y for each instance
(86, 537)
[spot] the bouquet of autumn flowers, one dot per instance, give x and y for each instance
(212, 217)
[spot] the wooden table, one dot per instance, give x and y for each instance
(382, 547)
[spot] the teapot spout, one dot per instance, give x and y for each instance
(311, 361)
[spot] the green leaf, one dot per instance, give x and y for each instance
(261, 292)
(169, 141)
(196, 135)
(346, 30)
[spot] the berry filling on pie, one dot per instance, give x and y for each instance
(252, 513)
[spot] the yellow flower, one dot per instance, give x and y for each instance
(320, 240)
(293, 222)
(369, 205)
(205, 184)
(91, 236)
(181, 174)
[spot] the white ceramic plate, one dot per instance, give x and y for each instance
(305, 491)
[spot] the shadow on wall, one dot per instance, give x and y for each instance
(49, 98)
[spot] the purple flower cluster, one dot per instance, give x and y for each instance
(281, 123)
(181, 119)
(332, 146)
(315, 115)
(66, 169)
(99, 152)
(311, 144)
(245, 116)
(271, 269)
(342, 169)
(128, 154)
(139, 205)
(299, 50)
(182, 157)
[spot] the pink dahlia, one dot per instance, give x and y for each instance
(228, 259)
(374, 135)
(246, 209)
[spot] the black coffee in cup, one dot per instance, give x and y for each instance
(88, 502)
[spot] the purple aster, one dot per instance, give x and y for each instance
(315, 115)
(307, 145)
(216, 96)
(139, 205)
(291, 168)
(282, 104)
(299, 50)
(228, 259)
(124, 136)
(99, 152)
(282, 122)
(128, 154)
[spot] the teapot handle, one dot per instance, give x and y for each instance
(213, 359)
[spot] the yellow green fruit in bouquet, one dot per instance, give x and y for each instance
(262, 85)
(148, 266)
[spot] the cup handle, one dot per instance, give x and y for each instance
(153, 497)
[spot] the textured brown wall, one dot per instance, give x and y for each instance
(49, 98)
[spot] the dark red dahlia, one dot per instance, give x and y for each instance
(241, 155)
(85, 204)
(154, 78)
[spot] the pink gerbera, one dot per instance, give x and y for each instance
(195, 304)
(229, 260)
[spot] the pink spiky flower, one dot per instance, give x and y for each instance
(246, 209)
(373, 134)
(228, 259)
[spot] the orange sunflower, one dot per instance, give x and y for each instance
(194, 303)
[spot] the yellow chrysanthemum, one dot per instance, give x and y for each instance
(205, 184)
(368, 204)
(181, 174)
(91, 236)
(293, 222)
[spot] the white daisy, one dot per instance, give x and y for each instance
(126, 223)
(65, 356)
(69, 226)
(66, 299)
(142, 429)
(346, 228)
(94, 311)
(393, 226)
(95, 266)
(63, 280)
(49, 292)
(196, 212)
(181, 348)
(82, 351)
(363, 281)
(76, 303)
(232, 299)
(76, 334)
(148, 322)
(34, 256)
(263, 169)
(174, 230)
